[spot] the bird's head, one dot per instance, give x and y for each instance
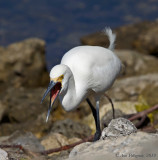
(59, 76)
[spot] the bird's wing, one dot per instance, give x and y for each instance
(93, 67)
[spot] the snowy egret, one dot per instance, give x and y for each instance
(84, 71)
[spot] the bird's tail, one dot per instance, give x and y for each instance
(111, 37)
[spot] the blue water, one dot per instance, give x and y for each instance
(61, 23)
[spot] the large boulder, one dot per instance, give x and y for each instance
(23, 64)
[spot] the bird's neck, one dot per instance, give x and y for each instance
(70, 99)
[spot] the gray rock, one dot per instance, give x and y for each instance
(138, 145)
(23, 64)
(70, 129)
(118, 127)
(26, 139)
(3, 155)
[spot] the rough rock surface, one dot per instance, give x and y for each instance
(3, 155)
(135, 146)
(117, 127)
(129, 144)
(23, 64)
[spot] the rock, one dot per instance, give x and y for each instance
(132, 88)
(136, 145)
(95, 39)
(71, 129)
(23, 64)
(23, 111)
(54, 140)
(131, 32)
(147, 41)
(27, 140)
(126, 35)
(117, 127)
(140, 36)
(136, 64)
(120, 139)
(3, 155)
(3, 108)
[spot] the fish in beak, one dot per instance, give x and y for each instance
(54, 89)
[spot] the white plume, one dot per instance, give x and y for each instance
(111, 37)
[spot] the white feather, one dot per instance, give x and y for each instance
(111, 36)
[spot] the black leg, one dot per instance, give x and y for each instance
(96, 118)
(112, 105)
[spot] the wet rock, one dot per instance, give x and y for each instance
(117, 127)
(71, 129)
(23, 64)
(3, 155)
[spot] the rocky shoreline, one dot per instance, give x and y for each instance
(23, 80)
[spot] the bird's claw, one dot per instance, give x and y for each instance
(97, 136)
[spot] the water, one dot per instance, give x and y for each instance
(61, 23)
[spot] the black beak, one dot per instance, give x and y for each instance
(51, 85)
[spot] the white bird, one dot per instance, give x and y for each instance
(84, 71)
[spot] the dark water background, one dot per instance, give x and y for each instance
(61, 23)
